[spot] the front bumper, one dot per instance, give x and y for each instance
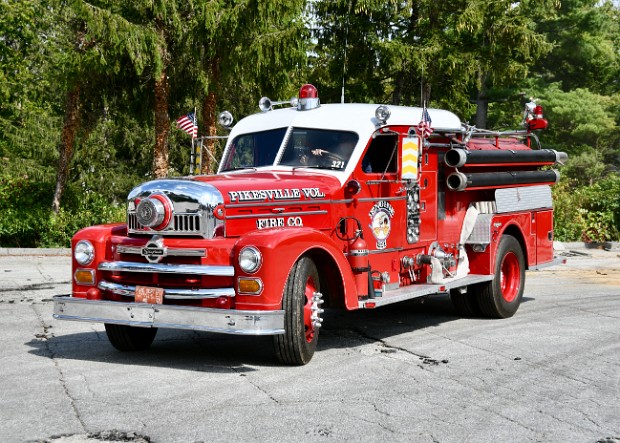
(226, 321)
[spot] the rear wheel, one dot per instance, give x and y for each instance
(129, 338)
(301, 303)
(501, 297)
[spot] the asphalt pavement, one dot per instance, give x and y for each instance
(410, 372)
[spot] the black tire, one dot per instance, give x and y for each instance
(501, 297)
(298, 343)
(466, 304)
(128, 338)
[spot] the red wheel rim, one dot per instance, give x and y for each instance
(309, 292)
(510, 277)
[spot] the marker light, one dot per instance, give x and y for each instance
(308, 98)
(382, 113)
(225, 119)
(84, 252)
(250, 259)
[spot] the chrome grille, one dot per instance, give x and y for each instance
(182, 224)
(189, 223)
(193, 204)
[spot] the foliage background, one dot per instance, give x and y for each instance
(482, 60)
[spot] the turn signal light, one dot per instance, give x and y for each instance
(85, 277)
(250, 285)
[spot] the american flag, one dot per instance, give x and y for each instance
(188, 124)
(424, 127)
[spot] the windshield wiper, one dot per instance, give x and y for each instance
(239, 168)
(333, 168)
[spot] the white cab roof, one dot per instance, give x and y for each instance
(359, 118)
(354, 117)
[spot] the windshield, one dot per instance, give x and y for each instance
(318, 148)
(253, 150)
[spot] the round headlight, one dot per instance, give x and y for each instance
(84, 252)
(250, 259)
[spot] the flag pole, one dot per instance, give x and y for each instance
(198, 167)
(191, 159)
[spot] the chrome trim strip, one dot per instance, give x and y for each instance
(129, 249)
(383, 251)
(158, 268)
(277, 202)
(177, 252)
(380, 182)
(379, 251)
(170, 293)
(226, 321)
(281, 214)
(376, 199)
(341, 202)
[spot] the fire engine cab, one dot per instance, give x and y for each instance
(354, 206)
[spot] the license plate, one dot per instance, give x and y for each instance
(148, 294)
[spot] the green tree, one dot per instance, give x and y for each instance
(441, 52)
(148, 36)
(586, 51)
(248, 42)
(503, 42)
(26, 119)
(585, 125)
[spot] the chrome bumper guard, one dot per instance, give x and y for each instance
(226, 321)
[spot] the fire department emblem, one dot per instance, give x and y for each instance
(380, 222)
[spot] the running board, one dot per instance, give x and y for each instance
(421, 290)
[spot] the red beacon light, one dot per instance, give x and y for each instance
(308, 98)
(538, 111)
(534, 117)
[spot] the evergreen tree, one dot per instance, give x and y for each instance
(502, 43)
(586, 46)
(410, 52)
(243, 42)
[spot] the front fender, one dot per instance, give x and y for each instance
(99, 236)
(281, 248)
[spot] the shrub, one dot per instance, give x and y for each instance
(588, 213)
(27, 221)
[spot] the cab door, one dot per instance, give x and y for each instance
(382, 204)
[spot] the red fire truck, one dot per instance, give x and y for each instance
(352, 206)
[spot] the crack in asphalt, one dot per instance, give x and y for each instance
(376, 423)
(260, 389)
(61, 376)
(388, 349)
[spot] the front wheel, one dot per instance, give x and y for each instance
(301, 303)
(501, 297)
(129, 338)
